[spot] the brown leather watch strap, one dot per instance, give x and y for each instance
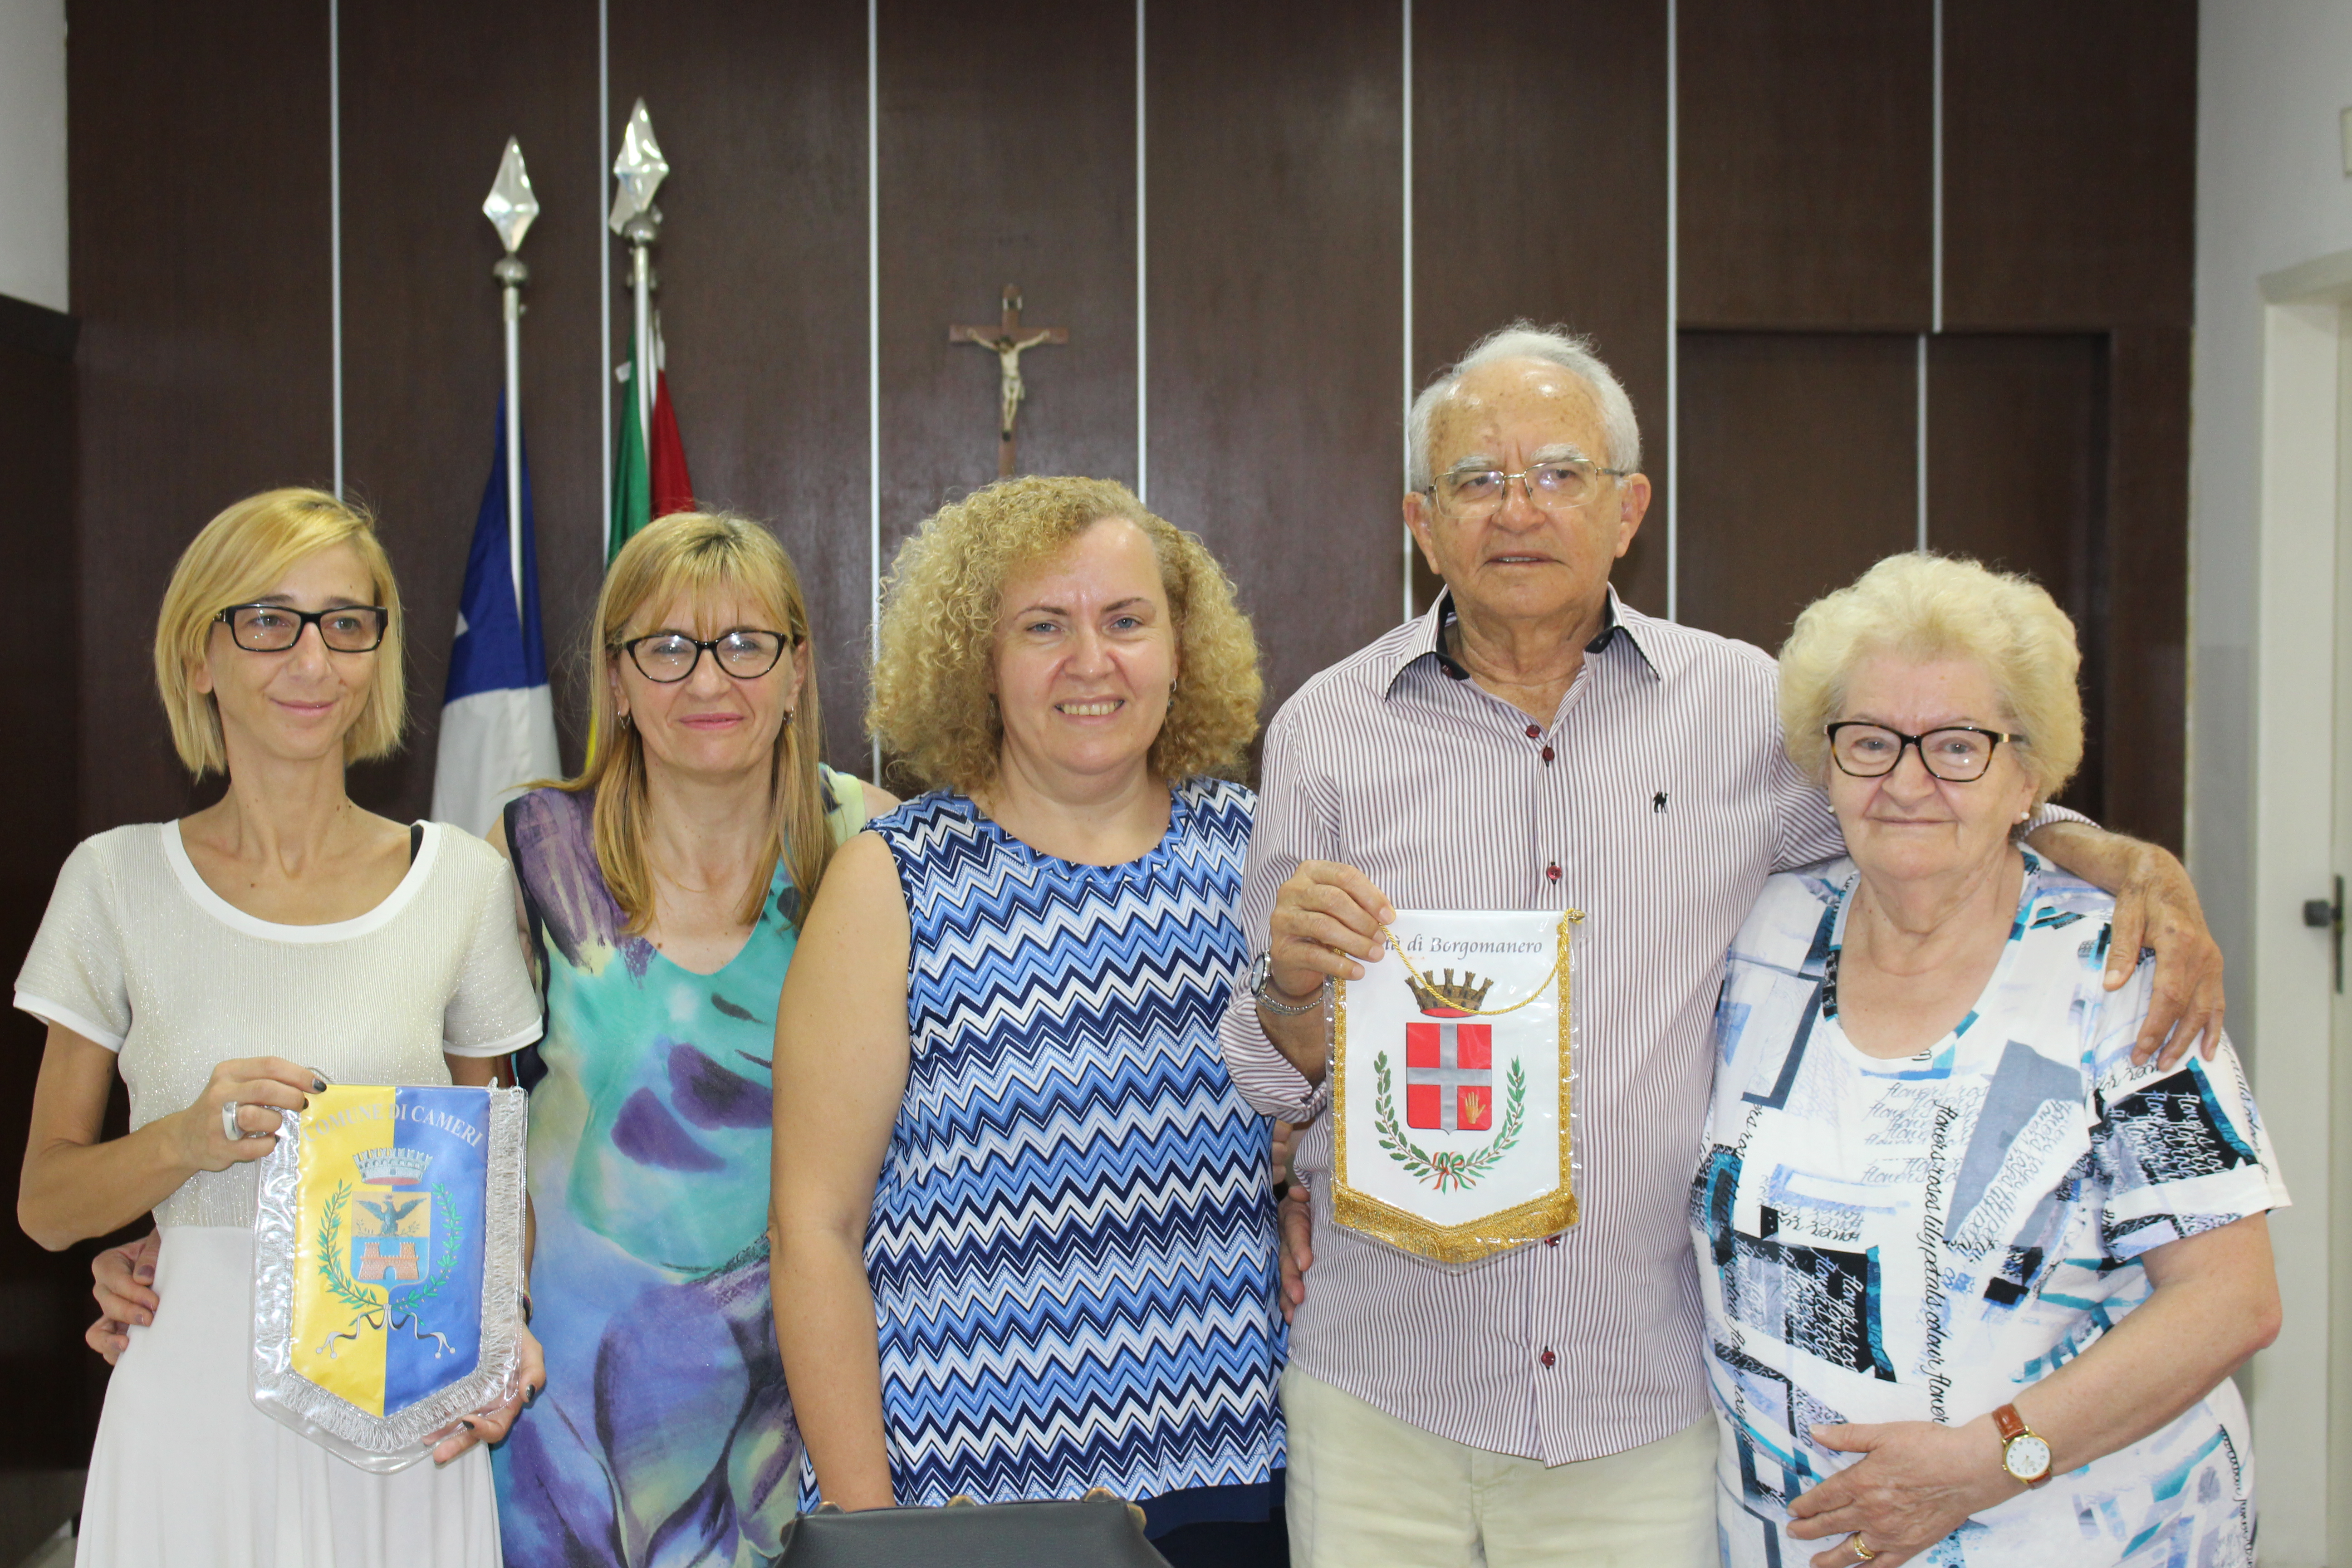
(2013, 1430)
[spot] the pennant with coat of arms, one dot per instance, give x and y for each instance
(387, 1266)
(1451, 1075)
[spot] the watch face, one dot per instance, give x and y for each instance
(2026, 1457)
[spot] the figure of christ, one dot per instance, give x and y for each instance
(1009, 342)
(1008, 354)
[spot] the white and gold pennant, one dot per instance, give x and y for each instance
(1451, 1075)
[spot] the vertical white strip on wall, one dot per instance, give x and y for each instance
(1935, 307)
(1919, 452)
(1936, 263)
(1673, 313)
(1142, 299)
(603, 262)
(1405, 590)
(874, 342)
(335, 222)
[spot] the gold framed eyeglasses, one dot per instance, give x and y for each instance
(1560, 485)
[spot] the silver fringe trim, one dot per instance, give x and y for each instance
(382, 1443)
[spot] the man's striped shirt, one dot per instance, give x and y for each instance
(1657, 801)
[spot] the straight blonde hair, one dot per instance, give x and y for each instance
(701, 555)
(238, 557)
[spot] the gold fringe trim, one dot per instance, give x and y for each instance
(1472, 1239)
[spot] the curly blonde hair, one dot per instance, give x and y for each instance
(1923, 606)
(932, 704)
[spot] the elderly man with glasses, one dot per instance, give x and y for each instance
(1533, 743)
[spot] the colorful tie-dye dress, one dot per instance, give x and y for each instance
(665, 1434)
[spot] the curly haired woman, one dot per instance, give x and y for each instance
(1024, 1239)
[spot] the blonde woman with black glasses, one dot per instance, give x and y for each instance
(665, 889)
(227, 965)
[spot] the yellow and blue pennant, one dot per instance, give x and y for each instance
(388, 1302)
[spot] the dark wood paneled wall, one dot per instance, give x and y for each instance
(1802, 472)
(1807, 164)
(995, 177)
(1277, 281)
(196, 156)
(1808, 203)
(1542, 194)
(1275, 335)
(2070, 167)
(2016, 477)
(422, 128)
(38, 799)
(762, 110)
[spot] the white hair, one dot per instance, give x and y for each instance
(1553, 345)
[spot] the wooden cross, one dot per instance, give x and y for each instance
(1008, 340)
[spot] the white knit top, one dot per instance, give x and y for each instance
(139, 955)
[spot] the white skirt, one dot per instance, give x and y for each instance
(187, 1474)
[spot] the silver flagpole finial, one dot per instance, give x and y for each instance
(637, 172)
(512, 205)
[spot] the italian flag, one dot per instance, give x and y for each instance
(642, 491)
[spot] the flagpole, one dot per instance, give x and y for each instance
(512, 272)
(641, 233)
(637, 173)
(510, 207)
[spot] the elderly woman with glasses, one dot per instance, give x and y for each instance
(1975, 1278)
(227, 965)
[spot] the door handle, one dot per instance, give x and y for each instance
(2321, 915)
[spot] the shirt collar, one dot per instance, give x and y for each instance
(1428, 640)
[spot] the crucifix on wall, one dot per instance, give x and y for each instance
(1009, 339)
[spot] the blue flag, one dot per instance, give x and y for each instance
(497, 719)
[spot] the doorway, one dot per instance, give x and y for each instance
(2298, 1044)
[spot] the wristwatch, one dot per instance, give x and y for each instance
(2024, 1454)
(1260, 970)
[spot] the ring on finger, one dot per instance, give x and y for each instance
(1861, 1553)
(229, 1129)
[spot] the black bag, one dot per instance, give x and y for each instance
(1096, 1531)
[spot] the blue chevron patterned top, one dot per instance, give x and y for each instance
(1072, 1250)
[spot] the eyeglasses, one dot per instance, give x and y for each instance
(1560, 486)
(1959, 753)
(670, 657)
(273, 628)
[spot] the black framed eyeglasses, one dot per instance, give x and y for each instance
(670, 657)
(273, 628)
(1957, 753)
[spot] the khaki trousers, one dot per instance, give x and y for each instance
(1368, 1490)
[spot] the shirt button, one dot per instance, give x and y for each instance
(1552, 871)
(1546, 1358)
(1551, 1241)
(1533, 731)
(1547, 754)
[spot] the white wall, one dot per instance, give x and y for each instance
(2271, 193)
(33, 151)
(2275, 76)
